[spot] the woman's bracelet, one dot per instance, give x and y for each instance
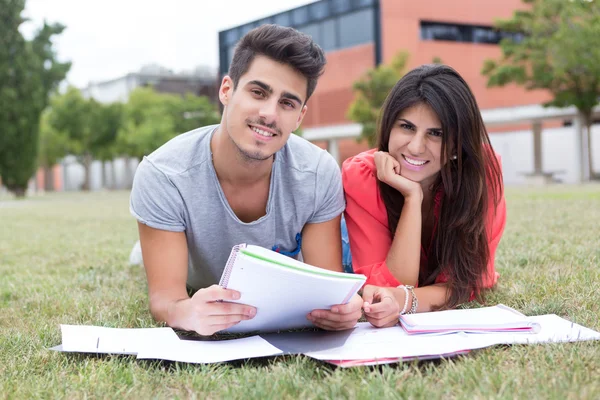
(415, 301)
(405, 299)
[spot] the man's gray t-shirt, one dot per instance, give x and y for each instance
(176, 189)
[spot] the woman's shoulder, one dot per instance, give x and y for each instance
(359, 177)
(360, 166)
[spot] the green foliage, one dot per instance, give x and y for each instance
(29, 72)
(560, 52)
(88, 127)
(370, 94)
(151, 119)
(53, 145)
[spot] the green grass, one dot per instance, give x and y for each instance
(63, 259)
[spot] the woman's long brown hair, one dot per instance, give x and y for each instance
(460, 245)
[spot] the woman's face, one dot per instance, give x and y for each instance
(416, 142)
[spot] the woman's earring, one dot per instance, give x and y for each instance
(454, 157)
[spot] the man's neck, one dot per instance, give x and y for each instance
(232, 167)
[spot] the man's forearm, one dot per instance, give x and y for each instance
(167, 309)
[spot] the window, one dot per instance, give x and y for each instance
(441, 32)
(230, 51)
(283, 19)
(300, 16)
(340, 6)
(265, 21)
(328, 35)
(246, 28)
(356, 28)
(364, 3)
(313, 30)
(465, 33)
(485, 35)
(319, 10)
(231, 36)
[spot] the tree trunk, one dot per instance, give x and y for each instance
(18, 191)
(587, 120)
(113, 171)
(580, 124)
(87, 165)
(48, 179)
(128, 173)
(105, 174)
(590, 150)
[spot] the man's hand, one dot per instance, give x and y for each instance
(340, 317)
(381, 305)
(206, 314)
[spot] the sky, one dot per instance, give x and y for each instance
(110, 38)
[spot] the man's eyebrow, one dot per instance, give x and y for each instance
(269, 89)
(263, 85)
(292, 96)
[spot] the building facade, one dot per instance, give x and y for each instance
(360, 34)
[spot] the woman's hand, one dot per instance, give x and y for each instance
(388, 171)
(381, 305)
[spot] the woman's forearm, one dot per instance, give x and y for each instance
(404, 257)
(428, 297)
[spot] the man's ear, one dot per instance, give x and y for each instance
(226, 90)
(301, 116)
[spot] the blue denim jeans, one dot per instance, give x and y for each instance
(346, 254)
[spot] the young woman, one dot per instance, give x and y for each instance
(425, 211)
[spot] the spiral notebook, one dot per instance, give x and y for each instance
(283, 290)
(499, 318)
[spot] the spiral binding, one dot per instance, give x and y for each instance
(229, 266)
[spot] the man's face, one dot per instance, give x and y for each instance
(265, 108)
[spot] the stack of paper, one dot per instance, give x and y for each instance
(363, 345)
(499, 318)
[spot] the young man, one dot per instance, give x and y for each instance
(246, 180)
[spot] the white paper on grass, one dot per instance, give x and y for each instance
(499, 317)
(201, 352)
(367, 342)
(99, 339)
(284, 296)
(553, 329)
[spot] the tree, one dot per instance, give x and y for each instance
(90, 127)
(151, 119)
(370, 93)
(29, 72)
(53, 146)
(110, 120)
(555, 45)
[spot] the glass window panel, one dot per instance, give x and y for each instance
(319, 10)
(340, 6)
(329, 35)
(230, 51)
(300, 16)
(283, 19)
(313, 30)
(231, 36)
(245, 29)
(364, 3)
(485, 35)
(441, 32)
(356, 28)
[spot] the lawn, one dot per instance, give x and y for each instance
(63, 259)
